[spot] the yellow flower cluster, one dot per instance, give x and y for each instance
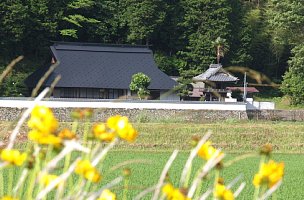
(13, 156)
(46, 179)
(206, 151)
(66, 134)
(116, 125)
(43, 120)
(43, 125)
(85, 169)
(80, 114)
(8, 198)
(107, 195)
(101, 133)
(173, 193)
(222, 193)
(269, 174)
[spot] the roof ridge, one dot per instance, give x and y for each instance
(99, 44)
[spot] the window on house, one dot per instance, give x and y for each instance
(111, 94)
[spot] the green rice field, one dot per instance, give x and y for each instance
(148, 155)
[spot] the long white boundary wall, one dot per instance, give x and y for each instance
(128, 105)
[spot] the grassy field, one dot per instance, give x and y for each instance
(231, 135)
(157, 140)
(147, 174)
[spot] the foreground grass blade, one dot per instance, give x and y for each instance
(191, 157)
(163, 174)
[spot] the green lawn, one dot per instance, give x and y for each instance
(147, 174)
(157, 140)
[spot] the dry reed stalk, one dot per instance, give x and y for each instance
(164, 174)
(54, 83)
(239, 190)
(269, 192)
(216, 158)
(191, 157)
(43, 79)
(147, 191)
(58, 180)
(107, 186)
(9, 68)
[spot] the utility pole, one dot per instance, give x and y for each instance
(245, 87)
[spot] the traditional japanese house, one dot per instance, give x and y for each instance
(102, 71)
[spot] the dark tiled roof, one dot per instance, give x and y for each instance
(102, 66)
(222, 77)
(215, 73)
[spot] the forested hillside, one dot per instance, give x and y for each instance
(259, 34)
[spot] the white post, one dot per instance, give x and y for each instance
(245, 87)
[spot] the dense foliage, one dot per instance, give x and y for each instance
(258, 34)
(293, 83)
(140, 83)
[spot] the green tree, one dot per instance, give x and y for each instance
(142, 17)
(285, 20)
(140, 83)
(78, 17)
(221, 48)
(27, 27)
(185, 86)
(293, 84)
(167, 39)
(241, 36)
(204, 21)
(168, 64)
(13, 86)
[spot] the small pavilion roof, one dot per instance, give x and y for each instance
(215, 73)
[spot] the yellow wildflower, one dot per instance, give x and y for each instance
(206, 151)
(113, 121)
(85, 169)
(66, 134)
(168, 189)
(107, 195)
(128, 133)
(270, 174)
(173, 193)
(46, 179)
(44, 139)
(100, 132)
(13, 156)
(222, 193)
(8, 198)
(123, 128)
(92, 175)
(43, 120)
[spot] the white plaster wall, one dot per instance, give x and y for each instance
(128, 105)
(256, 105)
(230, 100)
